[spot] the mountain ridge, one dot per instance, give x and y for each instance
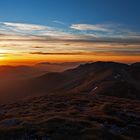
(86, 77)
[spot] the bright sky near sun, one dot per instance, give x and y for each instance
(69, 30)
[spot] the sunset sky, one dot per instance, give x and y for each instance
(32, 31)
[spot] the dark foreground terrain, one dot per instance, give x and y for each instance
(75, 117)
(98, 101)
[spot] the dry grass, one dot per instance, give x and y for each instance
(79, 116)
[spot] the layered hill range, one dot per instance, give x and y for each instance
(8, 72)
(106, 78)
(13, 78)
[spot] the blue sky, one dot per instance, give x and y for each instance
(26, 26)
(119, 18)
(124, 12)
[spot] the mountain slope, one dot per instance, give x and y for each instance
(109, 78)
(95, 101)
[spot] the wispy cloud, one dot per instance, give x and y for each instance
(37, 30)
(92, 27)
(92, 32)
(94, 53)
(80, 41)
(59, 53)
(22, 26)
(59, 22)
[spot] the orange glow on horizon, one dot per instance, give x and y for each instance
(33, 59)
(19, 50)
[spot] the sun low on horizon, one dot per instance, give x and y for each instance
(47, 31)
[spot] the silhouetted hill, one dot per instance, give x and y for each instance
(109, 78)
(9, 72)
(57, 67)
